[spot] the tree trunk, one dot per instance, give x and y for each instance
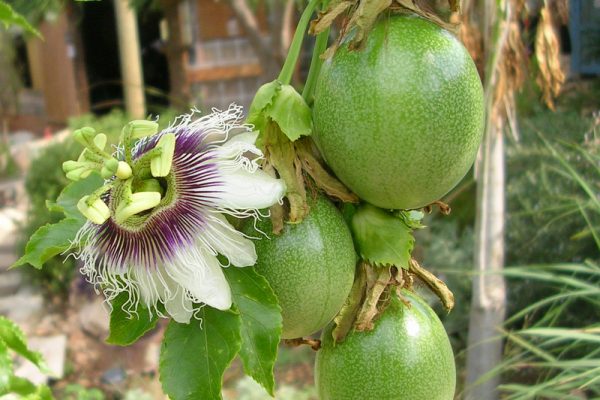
(488, 305)
(488, 302)
(177, 57)
(131, 62)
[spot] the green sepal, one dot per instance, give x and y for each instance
(263, 98)
(291, 113)
(261, 323)
(283, 105)
(412, 218)
(194, 356)
(126, 328)
(381, 237)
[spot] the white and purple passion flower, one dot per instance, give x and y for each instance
(157, 226)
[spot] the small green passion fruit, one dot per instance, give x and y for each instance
(310, 267)
(407, 356)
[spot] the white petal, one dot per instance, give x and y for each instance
(247, 138)
(225, 239)
(250, 190)
(149, 286)
(179, 307)
(235, 148)
(203, 277)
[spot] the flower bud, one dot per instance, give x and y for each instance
(85, 136)
(123, 170)
(112, 165)
(100, 140)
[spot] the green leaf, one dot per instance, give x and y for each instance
(48, 241)
(263, 98)
(284, 105)
(72, 193)
(261, 323)
(290, 111)
(24, 388)
(8, 17)
(194, 356)
(15, 340)
(6, 369)
(125, 329)
(382, 238)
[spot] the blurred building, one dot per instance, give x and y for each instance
(194, 53)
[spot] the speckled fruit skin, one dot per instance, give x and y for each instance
(310, 267)
(407, 356)
(400, 121)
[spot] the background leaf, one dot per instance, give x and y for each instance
(48, 241)
(15, 340)
(72, 193)
(261, 323)
(126, 329)
(6, 369)
(52, 239)
(8, 17)
(194, 356)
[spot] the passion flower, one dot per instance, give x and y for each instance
(156, 227)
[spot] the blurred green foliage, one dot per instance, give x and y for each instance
(78, 392)
(8, 165)
(552, 235)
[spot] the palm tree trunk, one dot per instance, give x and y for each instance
(488, 304)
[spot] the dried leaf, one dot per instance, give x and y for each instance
(280, 152)
(471, 38)
(547, 52)
(344, 320)
(323, 179)
(363, 20)
(326, 18)
(378, 279)
(413, 6)
(454, 5)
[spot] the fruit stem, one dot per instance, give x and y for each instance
(315, 65)
(285, 76)
(436, 285)
(314, 344)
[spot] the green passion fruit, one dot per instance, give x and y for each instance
(407, 356)
(310, 267)
(400, 121)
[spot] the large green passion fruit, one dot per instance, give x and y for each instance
(310, 267)
(407, 356)
(400, 121)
